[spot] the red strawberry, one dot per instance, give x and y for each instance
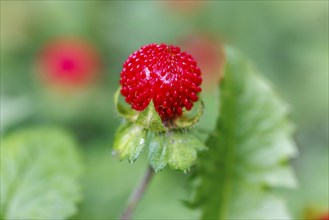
(68, 62)
(164, 74)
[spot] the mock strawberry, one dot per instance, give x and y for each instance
(164, 74)
(68, 62)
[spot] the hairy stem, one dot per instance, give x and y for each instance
(137, 194)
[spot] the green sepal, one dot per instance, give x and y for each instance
(186, 121)
(126, 112)
(176, 149)
(183, 148)
(166, 146)
(129, 141)
(158, 153)
(150, 119)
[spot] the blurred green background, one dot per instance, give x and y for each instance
(288, 40)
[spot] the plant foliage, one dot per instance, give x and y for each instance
(39, 175)
(248, 151)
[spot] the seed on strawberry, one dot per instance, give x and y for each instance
(164, 74)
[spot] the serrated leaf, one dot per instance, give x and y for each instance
(254, 203)
(177, 149)
(39, 175)
(150, 119)
(129, 141)
(248, 151)
(183, 148)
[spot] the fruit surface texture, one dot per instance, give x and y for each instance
(164, 74)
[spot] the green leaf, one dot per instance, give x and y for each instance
(39, 175)
(158, 152)
(150, 119)
(129, 141)
(248, 152)
(177, 149)
(183, 148)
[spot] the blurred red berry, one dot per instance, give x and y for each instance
(324, 217)
(315, 214)
(164, 74)
(185, 6)
(69, 62)
(209, 54)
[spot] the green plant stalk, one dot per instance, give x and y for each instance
(137, 194)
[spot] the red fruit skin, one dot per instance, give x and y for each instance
(68, 63)
(164, 74)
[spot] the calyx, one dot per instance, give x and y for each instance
(169, 144)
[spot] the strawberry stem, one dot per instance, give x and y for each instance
(137, 194)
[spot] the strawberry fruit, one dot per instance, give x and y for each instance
(164, 74)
